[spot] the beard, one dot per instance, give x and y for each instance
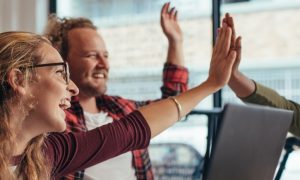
(91, 90)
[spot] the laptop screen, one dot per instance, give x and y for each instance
(249, 143)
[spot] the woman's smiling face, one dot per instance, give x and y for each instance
(52, 94)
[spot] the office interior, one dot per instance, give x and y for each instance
(137, 46)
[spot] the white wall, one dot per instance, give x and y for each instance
(23, 15)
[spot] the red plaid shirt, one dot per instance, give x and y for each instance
(175, 81)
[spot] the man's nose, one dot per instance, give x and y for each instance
(103, 62)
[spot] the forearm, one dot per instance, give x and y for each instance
(241, 85)
(266, 96)
(65, 151)
(162, 114)
(175, 53)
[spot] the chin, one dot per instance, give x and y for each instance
(93, 90)
(60, 125)
(61, 128)
(101, 90)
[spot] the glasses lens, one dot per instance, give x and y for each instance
(67, 73)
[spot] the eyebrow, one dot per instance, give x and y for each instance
(49, 64)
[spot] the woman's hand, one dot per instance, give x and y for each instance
(223, 58)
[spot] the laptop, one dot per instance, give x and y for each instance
(248, 144)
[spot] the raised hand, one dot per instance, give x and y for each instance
(223, 58)
(235, 43)
(169, 24)
(239, 83)
(171, 28)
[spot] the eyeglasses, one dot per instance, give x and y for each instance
(66, 72)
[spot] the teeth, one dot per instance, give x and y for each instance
(100, 75)
(64, 104)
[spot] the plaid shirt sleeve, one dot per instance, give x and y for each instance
(175, 80)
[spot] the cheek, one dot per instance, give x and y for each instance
(51, 109)
(52, 92)
(51, 99)
(81, 64)
(81, 70)
(48, 92)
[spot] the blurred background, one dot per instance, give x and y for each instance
(137, 47)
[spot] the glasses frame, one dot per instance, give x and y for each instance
(64, 64)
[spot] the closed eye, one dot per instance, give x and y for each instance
(106, 55)
(60, 72)
(91, 55)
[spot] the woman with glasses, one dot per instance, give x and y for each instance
(35, 91)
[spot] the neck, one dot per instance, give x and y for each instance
(88, 104)
(23, 135)
(22, 140)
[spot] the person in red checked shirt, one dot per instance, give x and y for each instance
(81, 45)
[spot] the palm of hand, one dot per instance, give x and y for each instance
(171, 28)
(219, 71)
(169, 23)
(223, 59)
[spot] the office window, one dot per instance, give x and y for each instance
(270, 55)
(138, 50)
(271, 35)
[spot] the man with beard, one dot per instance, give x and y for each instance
(84, 49)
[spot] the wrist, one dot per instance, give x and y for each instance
(241, 85)
(175, 41)
(235, 76)
(212, 85)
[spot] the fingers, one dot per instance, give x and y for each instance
(165, 8)
(217, 44)
(227, 41)
(176, 14)
(238, 48)
(218, 34)
(226, 53)
(230, 23)
(223, 43)
(169, 23)
(227, 21)
(172, 13)
(231, 58)
(215, 49)
(165, 12)
(222, 48)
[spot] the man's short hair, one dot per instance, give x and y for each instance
(57, 31)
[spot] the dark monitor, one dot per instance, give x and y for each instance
(249, 143)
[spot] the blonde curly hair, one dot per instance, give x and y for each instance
(19, 50)
(57, 31)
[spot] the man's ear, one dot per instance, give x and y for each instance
(17, 80)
